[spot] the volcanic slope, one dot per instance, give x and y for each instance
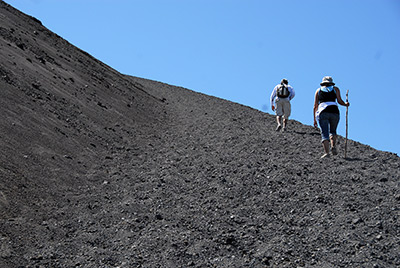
(100, 169)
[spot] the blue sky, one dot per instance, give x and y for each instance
(240, 49)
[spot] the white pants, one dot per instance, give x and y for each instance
(283, 107)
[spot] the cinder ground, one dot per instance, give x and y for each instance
(100, 169)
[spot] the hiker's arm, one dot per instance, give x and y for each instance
(292, 93)
(339, 98)
(315, 108)
(272, 98)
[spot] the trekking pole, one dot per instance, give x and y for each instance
(347, 124)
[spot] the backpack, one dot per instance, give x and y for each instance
(282, 91)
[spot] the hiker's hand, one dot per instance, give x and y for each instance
(273, 108)
(347, 104)
(315, 124)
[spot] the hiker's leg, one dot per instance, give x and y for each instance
(286, 111)
(285, 120)
(333, 123)
(323, 121)
(279, 111)
(333, 144)
(325, 144)
(332, 139)
(279, 120)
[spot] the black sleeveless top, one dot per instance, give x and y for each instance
(328, 96)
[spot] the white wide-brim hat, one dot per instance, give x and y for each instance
(327, 80)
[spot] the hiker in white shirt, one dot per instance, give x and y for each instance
(280, 103)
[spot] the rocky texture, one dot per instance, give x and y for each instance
(100, 169)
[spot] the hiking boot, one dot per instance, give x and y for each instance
(334, 151)
(326, 155)
(278, 128)
(284, 129)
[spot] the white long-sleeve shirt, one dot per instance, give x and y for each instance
(274, 97)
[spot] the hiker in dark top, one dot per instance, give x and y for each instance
(280, 103)
(326, 112)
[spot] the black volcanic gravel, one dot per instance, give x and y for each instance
(100, 169)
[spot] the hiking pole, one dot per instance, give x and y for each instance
(347, 124)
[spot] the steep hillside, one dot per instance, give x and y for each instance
(100, 169)
(61, 107)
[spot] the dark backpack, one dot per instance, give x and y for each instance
(282, 91)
